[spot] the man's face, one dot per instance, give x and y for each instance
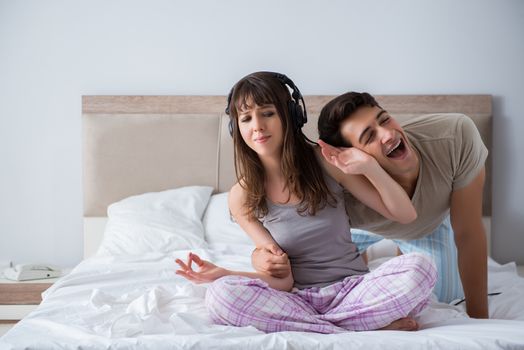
(374, 131)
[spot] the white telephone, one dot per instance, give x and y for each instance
(24, 272)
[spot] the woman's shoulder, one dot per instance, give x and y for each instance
(237, 190)
(237, 196)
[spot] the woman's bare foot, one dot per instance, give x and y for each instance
(403, 324)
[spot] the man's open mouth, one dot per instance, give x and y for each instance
(398, 150)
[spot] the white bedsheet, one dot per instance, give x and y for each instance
(137, 302)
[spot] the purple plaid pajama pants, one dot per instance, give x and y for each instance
(398, 288)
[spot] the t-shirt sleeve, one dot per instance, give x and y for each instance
(470, 153)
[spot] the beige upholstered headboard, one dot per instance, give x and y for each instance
(137, 144)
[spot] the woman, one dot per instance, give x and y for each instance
(290, 193)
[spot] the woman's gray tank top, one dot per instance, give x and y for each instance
(319, 247)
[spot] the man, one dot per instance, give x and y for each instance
(439, 161)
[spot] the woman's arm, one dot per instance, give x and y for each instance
(258, 233)
(209, 272)
(361, 175)
(254, 228)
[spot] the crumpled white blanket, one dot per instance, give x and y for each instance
(180, 310)
(153, 310)
(139, 302)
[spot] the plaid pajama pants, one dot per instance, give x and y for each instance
(398, 288)
(440, 245)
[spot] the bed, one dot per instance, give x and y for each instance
(156, 174)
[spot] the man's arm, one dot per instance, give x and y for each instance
(470, 238)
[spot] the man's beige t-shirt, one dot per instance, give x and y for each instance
(451, 156)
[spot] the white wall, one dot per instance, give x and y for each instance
(53, 52)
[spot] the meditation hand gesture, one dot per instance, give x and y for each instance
(207, 272)
(349, 160)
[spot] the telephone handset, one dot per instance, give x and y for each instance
(24, 272)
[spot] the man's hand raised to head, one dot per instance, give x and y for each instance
(271, 260)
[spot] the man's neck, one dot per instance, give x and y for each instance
(408, 183)
(408, 180)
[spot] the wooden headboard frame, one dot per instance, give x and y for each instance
(137, 144)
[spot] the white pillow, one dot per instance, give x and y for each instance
(219, 228)
(156, 222)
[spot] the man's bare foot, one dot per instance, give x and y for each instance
(403, 324)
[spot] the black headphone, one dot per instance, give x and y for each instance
(296, 112)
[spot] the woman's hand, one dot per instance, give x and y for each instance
(207, 272)
(349, 160)
(271, 260)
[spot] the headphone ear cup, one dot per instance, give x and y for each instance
(230, 127)
(227, 110)
(297, 115)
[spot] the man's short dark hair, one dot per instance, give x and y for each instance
(336, 111)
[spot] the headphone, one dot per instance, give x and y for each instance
(296, 112)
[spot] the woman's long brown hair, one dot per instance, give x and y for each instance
(300, 166)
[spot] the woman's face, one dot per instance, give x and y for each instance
(261, 128)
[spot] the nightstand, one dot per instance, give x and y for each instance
(18, 298)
